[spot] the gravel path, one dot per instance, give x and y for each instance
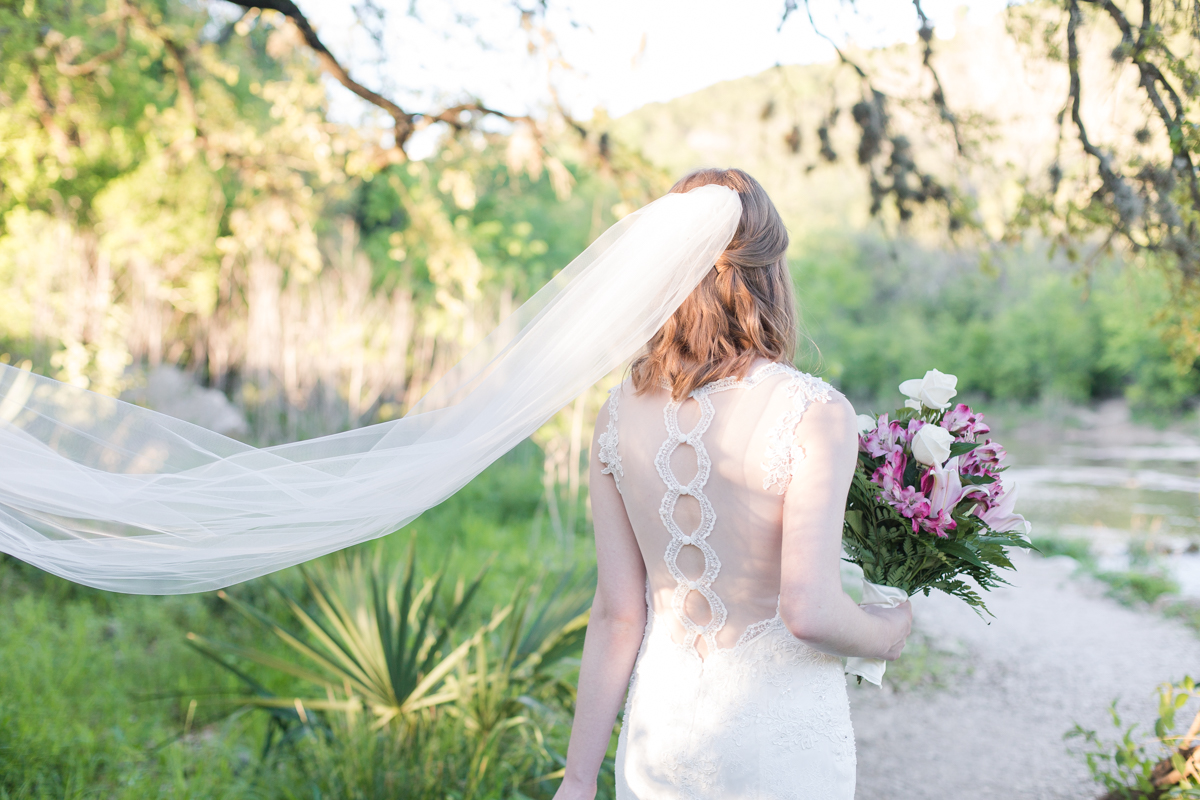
(1057, 653)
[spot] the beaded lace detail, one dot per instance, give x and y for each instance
(782, 451)
(608, 455)
(708, 517)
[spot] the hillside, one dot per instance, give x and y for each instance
(1005, 92)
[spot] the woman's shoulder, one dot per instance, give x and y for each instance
(809, 409)
(812, 402)
(801, 386)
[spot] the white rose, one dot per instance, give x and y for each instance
(866, 423)
(931, 444)
(932, 391)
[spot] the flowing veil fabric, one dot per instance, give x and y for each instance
(119, 497)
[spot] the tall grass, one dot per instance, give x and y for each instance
(97, 689)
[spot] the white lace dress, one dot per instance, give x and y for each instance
(724, 701)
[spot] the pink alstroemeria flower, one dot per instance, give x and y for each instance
(887, 438)
(998, 515)
(964, 423)
(989, 497)
(890, 474)
(984, 460)
(910, 502)
(939, 524)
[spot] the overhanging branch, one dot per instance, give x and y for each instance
(401, 119)
(939, 93)
(65, 67)
(1151, 78)
(404, 122)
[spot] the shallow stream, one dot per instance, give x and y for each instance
(1130, 490)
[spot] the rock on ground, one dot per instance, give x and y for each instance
(1058, 652)
(170, 391)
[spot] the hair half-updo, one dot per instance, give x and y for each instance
(744, 309)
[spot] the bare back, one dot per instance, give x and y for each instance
(703, 483)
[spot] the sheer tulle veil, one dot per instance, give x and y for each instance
(119, 497)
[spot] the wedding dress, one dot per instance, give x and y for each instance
(724, 702)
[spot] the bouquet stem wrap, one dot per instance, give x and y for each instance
(871, 669)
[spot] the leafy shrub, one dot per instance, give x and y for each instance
(1146, 587)
(1022, 325)
(394, 694)
(1077, 549)
(1187, 612)
(1165, 766)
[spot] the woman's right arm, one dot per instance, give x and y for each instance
(813, 605)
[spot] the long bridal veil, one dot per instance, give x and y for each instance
(119, 497)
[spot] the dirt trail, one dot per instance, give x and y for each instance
(1057, 653)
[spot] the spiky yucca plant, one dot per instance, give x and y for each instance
(407, 703)
(377, 646)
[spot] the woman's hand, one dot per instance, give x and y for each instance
(900, 619)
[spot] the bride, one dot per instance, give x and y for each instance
(719, 478)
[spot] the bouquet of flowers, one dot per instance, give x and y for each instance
(927, 505)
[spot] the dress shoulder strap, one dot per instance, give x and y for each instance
(783, 453)
(609, 455)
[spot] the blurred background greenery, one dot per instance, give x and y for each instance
(184, 223)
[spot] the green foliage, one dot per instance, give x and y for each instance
(1142, 767)
(1187, 612)
(1136, 586)
(374, 638)
(1077, 549)
(1021, 325)
(1139, 585)
(97, 689)
(93, 690)
(383, 649)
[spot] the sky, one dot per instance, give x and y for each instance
(612, 54)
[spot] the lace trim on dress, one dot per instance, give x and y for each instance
(608, 455)
(708, 516)
(757, 630)
(782, 451)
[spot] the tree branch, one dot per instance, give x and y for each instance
(1125, 202)
(401, 119)
(1151, 78)
(812, 22)
(45, 111)
(939, 94)
(404, 123)
(65, 66)
(187, 96)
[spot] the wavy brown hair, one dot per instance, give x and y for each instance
(743, 309)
